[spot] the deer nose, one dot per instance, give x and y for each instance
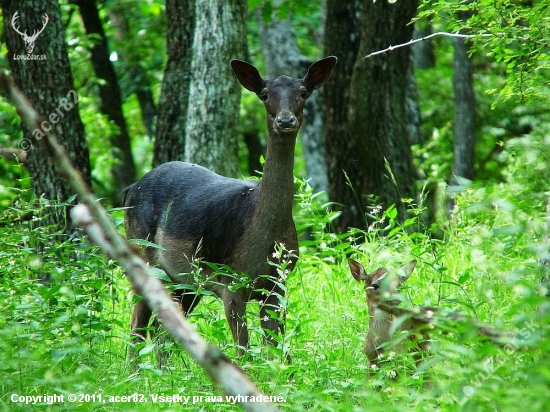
(286, 120)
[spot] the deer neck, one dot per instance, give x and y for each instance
(272, 220)
(276, 197)
(379, 324)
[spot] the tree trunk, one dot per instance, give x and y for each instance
(465, 107)
(414, 116)
(199, 107)
(214, 94)
(142, 89)
(279, 35)
(465, 111)
(123, 170)
(342, 40)
(172, 108)
(379, 162)
(255, 151)
(313, 144)
(48, 83)
(423, 51)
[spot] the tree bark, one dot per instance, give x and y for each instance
(342, 40)
(380, 159)
(465, 109)
(172, 107)
(198, 111)
(414, 116)
(123, 170)
(48, 83)
(277, 35)
(211, 129)
(255, 151)
(423, 51)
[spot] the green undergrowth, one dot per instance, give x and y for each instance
(65, 311)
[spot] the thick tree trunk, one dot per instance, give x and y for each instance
(313, 144)
(199, 107)
(214, 93)
(380, 164)
(123, 170)
(48, 83)
(279, 35)
(342, 40)
(172, 108)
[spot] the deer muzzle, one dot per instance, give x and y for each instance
(286, 122)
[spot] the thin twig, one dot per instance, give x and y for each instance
(440, 33)
(93, 218)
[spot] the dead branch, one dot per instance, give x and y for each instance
(440, 33)
(93, 218)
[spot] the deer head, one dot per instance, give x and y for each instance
(29, 40)
(381, 285)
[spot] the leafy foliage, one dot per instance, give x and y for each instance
(512, 32)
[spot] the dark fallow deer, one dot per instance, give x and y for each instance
(190, 211)
(382, 286)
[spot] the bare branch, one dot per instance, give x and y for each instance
(93, 218)
(440, 33)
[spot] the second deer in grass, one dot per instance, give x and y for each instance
(381, 287)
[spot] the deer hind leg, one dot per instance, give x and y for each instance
(140, 322)
(187, 301)
(142, 312)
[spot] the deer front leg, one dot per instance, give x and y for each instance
(274, 324)
(235, 308)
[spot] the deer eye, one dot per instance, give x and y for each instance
(303, 93)
(263, 95)
(375, 286)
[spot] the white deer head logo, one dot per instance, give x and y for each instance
(29, 40)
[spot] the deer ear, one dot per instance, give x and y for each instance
(357, 270)
(405, 271)
(248, 76)
(319, 72)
